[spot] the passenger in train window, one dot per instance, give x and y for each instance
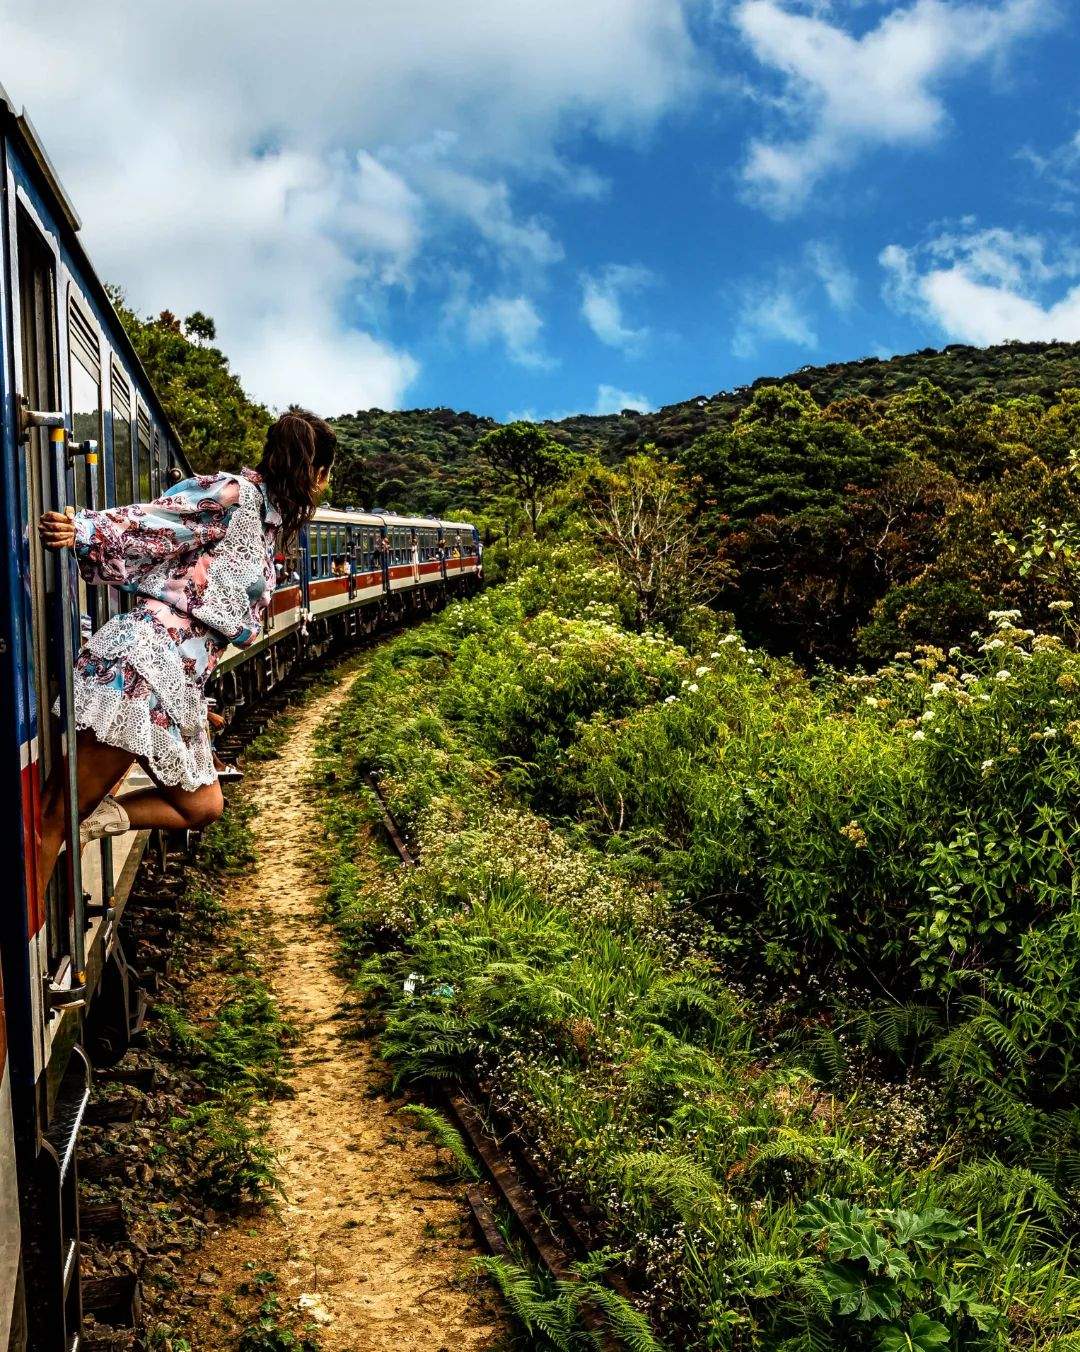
(382, 549)
(200, 561)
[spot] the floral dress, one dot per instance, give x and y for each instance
(200, 559)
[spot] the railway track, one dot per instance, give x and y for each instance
(552, 1226)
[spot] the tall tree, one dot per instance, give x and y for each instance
(530, 458)
(642, 519)
(219, 426)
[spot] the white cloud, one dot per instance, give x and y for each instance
(610, 399)
(1060, 169)
(845, 93)
(771, 314)
(988, 286)
(264, 163)
(602, 304)
(513, 321)
(780, 307)
(487, 207)
(833, 273)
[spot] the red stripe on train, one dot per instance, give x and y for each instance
(31, 831)
(285, 598)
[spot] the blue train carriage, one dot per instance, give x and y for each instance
(79, 425)
(353, 573)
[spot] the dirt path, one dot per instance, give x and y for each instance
(370, 1239)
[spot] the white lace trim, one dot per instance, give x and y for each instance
(121, 720)
(124, 722)
(236, 577)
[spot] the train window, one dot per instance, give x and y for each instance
(143, 484)
(157, 460)
(85, 349)
(123, 478)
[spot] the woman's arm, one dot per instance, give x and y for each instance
(120, 545)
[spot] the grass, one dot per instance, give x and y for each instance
(239, 1054)
(785, 1160)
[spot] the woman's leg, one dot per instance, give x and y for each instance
(100, 767)
(173, 809)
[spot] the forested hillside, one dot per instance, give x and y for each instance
(421, 458)
(846, 511)
(856, 508)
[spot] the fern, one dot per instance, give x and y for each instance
(537, 1312)
(446, 1136)
(688, 1188)
(999, 1189)
(627, 1324)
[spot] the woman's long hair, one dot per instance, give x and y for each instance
(299, 447)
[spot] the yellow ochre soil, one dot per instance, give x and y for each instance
(370, 1239)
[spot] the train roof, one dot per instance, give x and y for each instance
(346, 516)
(353, 516)
(17, 125)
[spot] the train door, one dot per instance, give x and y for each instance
(49, 1191)
(52, 589)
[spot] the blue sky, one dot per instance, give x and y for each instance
(533, 209)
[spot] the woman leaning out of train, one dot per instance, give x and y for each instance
(200, 561)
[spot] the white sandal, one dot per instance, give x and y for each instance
(107, 819)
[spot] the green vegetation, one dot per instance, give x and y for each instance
(554, 1315)
(844, 512)
(238, 1056)
(446, 1136)
(777, 975)
(847, 511)
(218, 425)
(267, 1333)
(528, 457)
